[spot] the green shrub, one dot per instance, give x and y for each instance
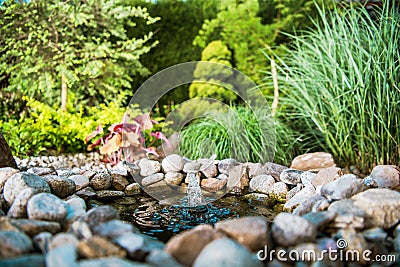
(341, 86)
(251, 138)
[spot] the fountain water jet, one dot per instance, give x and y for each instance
(194, 195)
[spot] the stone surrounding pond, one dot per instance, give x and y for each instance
(55, 214)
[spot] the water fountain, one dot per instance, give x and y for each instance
(194, 195)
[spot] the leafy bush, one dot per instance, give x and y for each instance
(341, 86)
(251, 139)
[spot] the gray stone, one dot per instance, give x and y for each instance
(386, 176)
(152, 179)
(172, 163)
(119, 182)
(354, 242)
(289, 230)
(14, 243)
(307, 178)
(131, 242)
(291, 176)
(292, 192)
(225, 165)
(274, 170)
(346, 206)
(254, 169)
(314, 203)
(60, 186)
(81, 181)
(132, 189)
(237, 179)
(21, 181)
(344, 187)
(186, 246)
(62, 256)
(159, 257)
(6, 173)
(327, 175)
(31, 260)
(173, 178)
(96, 247)
(80, 229)
(76, 207)
(41, 171)
(225, 252)
(98, 215)
(262, 183)
(48, 207)
(86, 193)
(251, 232)
(381, 205)
(376, 234)
(111, 262)
(109, 194)
(320, 219)
(300, 197)
(209, 170)
(191, 166)
(313, 161)
(18, 208)
(279, 191)
(101, 181)
(33, 227)
(112, 229)
(125, 200)
(41, 241)
(63, 239)
(148, 167)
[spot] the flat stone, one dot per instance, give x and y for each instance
(343, 221)
(313, 161)
(62, 239)
(109, 194)
(262, 183)
(274, 170)
(291, 176)
(148, 167)
(34, 227)
(209, 170)
(131, 242)
(254, 169)
(279, 191)
(159, 257)
(81, 181)
(172, 163)
(86, 193)
(307, 178)
(327, 175)
(60, 186)
(376, 234)
(80, 229)
(125, 200)
(41, 241)
(119, 182)
(314, 203)
(112, 229)
(31, 260)
(289, 230)
(101, 181)
(300, 197)
(132, 189)
(76, 207)
(225, 252)
(346, 206)
(173, 178)
(47, 207)
(18, 208)
(5, 173)
(225, 165)
(14, 243)
(191, 166)
(152, 179)
(292, 192)
(99, 215)
(386, 176)
(251, 232)
(237, 179)
(186, 246)
(320, 219)
(344, 187)
(6, 225)
(21, 181)
(213, 184)
(62, 256)
(41, 171)
(381, 205)
(96, 247)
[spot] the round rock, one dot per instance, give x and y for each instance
(262, 183)
(101, 181)
(23, 180)
(47, 207)
(290, 230)
(172, 163)
(14, 243)
(148, 167)
(6, 173)
(60, 186)
(386, 176)
(81, 181)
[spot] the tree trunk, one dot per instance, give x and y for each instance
(6, 158)
(64, 92)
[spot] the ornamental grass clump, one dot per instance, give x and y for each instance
(341, 86)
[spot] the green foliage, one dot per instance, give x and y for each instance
(215, 52)
(48, 129)
(341, 85)
(81, 44)
(244, 141)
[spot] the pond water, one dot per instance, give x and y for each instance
(163, 221)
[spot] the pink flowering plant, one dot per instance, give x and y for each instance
(130, 139)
